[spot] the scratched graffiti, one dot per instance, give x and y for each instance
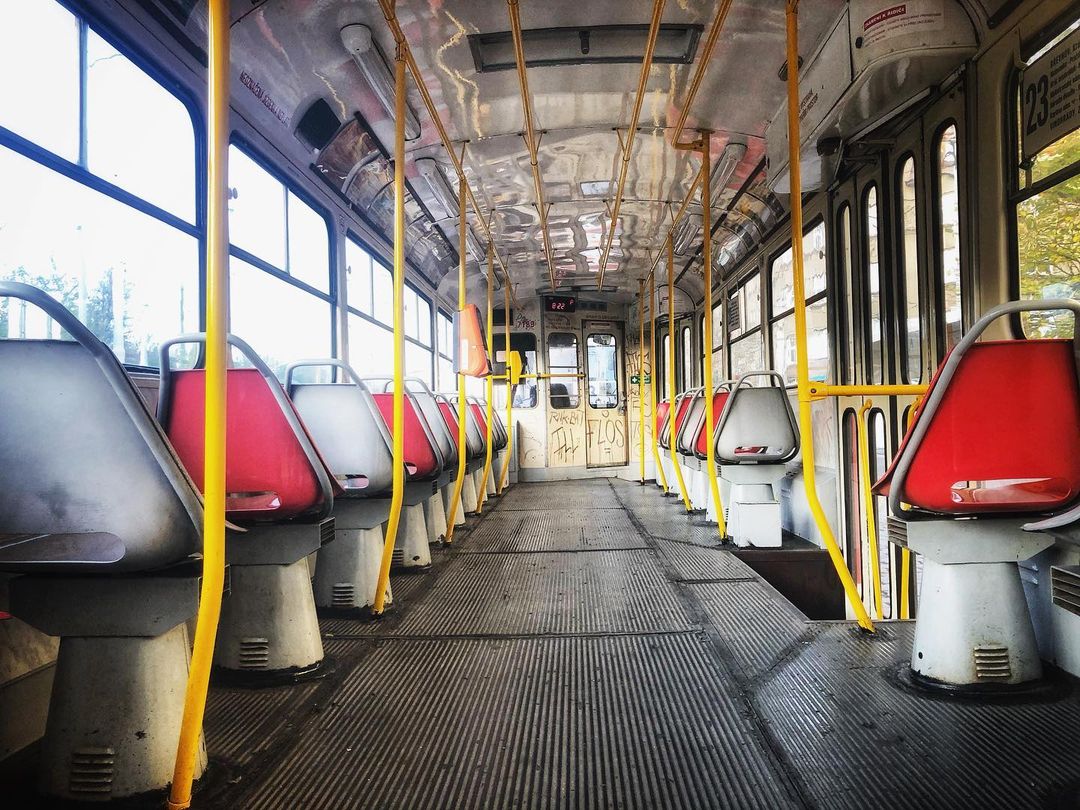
(605, 438)
(560, 320)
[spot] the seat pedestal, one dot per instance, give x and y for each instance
(697, 482)
(753, 504)
(459, 515)
(468, 493)
(974, 627)
(435, 517)
(490, 483)
(347, 571)
(269, 630)
(121, 674)
(411, 549)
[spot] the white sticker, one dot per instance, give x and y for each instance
(889, 20)
(1050, 96)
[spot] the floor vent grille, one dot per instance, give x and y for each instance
(92, 771)
(344, 595)
(992, 663)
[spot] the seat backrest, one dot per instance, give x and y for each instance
(273, 472)
(695, 416)
(422, 458)
(474, 438)
(720, 398)
(663, 408)
(83, 461)
(347, 427)
(1003, 435)
(682, 405)
(758, 425)
(429, 409)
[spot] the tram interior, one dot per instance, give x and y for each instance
(496, 403)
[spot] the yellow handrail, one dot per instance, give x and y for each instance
(455, 501)
(673, 410)
(217, 286)
(641, 378)
(806, 425)
(509, 396)
(652, 390)
(398, 493)
(628, 144)
(532, 143)
(868, 503)
(707, 364)
(823, 391)
(481, 496)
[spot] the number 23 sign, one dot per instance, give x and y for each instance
(1050, 95)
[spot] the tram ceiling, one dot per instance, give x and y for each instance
(295, 54)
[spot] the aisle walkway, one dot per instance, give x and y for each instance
(583, 644)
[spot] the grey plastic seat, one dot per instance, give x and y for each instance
(758, 425)
(88, 481)
(474, 436)
(695, 415)
(346, 426)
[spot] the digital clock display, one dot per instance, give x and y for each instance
(560, 303)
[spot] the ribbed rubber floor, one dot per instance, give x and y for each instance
(587, 645)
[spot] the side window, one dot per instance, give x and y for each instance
(782, 308)
(879, 461)
(746, 350)
(444, 338)
(872, 283)
(562, 365)
(602, 364)
(911, 321)
(686, 341)
(126, 264)
(845, 269)
(948, 189)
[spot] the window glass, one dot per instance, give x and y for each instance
(853, 517)
(256, 209)
(357, 277)
(817, 344)
(309, 244)
(603, 370)
(409, 312)
(139, 136)
(423, 320)
(687, 358)
(1047, 228)
(949, 212)
(280, 322)
(909, 234)
(383, 293)
(39, 63)
(563, 360)
(417, 362)
(751, 309)
(873, 284)
(371, 347)
(665, 391)
(445, 329)
(133, 280)
(879, 464)
(849, 291)
(782, 273)
(446, 381)
(718, 325)
(747, 354)
(814, 271)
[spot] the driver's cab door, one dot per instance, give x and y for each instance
(605, 400)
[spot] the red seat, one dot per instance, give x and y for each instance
(421, 461)
(481, 420)
(680, 413)
(268, 476)
(662, 409)
(720, 399)
(1005, 437)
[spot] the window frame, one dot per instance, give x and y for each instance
(588, 372)
(553, 375)
(901, 303)
(938, 227)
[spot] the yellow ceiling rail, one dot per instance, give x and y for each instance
(397, 495)
(806, 426)
(628, 144)
(675, 221)
(531, 141)
(390, 14)
(217, 285)
(699, 74)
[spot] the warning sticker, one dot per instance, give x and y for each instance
(899, 19)
(1050, 96)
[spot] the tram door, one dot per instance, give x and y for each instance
(605, 403)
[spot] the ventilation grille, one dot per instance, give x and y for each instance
(254, 653)
(897, 531)
(399, 556)
(1065, 587)
(326, 531)
(92, 771)
(992, 663)
(344, 595)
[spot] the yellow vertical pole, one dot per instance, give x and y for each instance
(217, 290)
(641, 378)
(481, 496)
(503, 479)
(671, 372)
(806, 426)
(707, 338)
(652, 388)
(868, 503)
(398, 493)
(462, 405)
